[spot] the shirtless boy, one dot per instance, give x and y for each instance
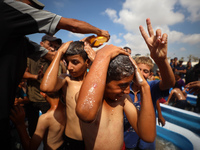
(50, 126)
(104, 96)
(179, 98)
(77, 64)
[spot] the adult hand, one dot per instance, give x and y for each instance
(193, 87)
(105, 33)
(17, 115)
(157, 44)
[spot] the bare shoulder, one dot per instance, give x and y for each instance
(127, 98)
(44, 121)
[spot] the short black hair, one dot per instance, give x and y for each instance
(76, 48)
(127, 47)
(119, 67)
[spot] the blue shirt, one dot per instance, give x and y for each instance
(181, 68)
(131, 138)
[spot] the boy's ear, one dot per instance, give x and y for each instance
(42, 43)
(88, 61)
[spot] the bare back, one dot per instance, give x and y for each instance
(179, 94)
(54, 122)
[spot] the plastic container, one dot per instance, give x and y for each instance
(99, 40)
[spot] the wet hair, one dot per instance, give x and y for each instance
(76, 48)
(119, 67)
(144, 60)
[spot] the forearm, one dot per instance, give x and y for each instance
(168, 79)
(146, 121)
(28, 75)
(25, 139)
(169, 98)
(91, 93)
(158, 109)
(49, 80)
(49, 56)
(77, 26)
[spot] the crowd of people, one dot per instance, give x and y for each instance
(185, 76)
(69, 97)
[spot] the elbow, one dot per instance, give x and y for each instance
(85, 115)
(46, 89)
(150, 139)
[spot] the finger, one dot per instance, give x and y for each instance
(158, 34)
(22, 109)
(149, 27)
(16, 108)
(122, 51)
(143, 33)
(92, 44)
(133, 62)
(164, 38)
(65, 45)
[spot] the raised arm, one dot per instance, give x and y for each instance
(92, 90)
(78, 26)
(143, 123)
(51, 82)
(157, 45)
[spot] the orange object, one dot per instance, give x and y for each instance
(99, 40)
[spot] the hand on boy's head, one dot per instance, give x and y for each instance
(138, 78)
(90, 52)
(112, 51)
(157, 44)
(17, 115)
(64, 47)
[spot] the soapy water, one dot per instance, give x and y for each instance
(162, 144)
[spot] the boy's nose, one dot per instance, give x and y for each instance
(69, 66)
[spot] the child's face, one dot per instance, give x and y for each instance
(50, 45)
(76, 65)
(145, 70)
(116, 89)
